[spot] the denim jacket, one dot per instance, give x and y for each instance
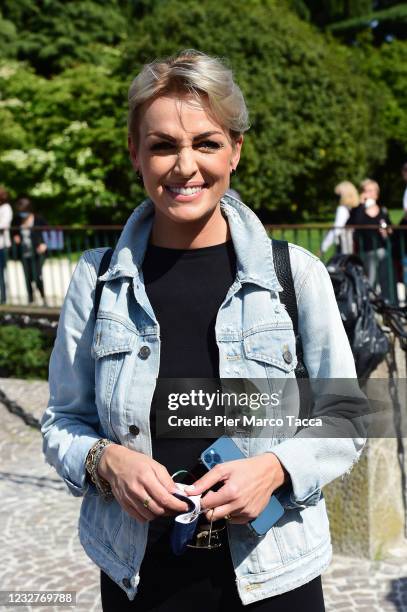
(102, 378)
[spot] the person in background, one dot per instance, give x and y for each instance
(342, 238)
(6, 216)
(399, 238)
(372, 245)
(31, 245)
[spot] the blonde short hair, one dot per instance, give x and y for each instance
(348, 194)
(195, 73)
(370, 183)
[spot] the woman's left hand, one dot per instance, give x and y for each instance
(41, 248)
(248, 486)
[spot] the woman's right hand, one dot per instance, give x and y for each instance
(135, 477)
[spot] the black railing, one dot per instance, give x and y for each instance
(39, 264)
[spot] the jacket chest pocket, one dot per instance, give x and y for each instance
(270, 352)
(260, 360)
(113, 350)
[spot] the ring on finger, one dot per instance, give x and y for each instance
(146, 502)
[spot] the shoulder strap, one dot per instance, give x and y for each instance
(282, 265)
(103, 266)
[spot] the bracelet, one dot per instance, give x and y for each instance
(92, 462)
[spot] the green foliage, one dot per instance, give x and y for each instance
(300, 8)
(8, 38)
(320, 111)
(309, 114)
(56, 34)
(346, 19)
(386, 68)
(328, 11)
(389, 22)
(24, 352)
(63, 141)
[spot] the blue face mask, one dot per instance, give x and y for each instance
(23, 215)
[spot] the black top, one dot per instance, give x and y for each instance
(31, 237)
(186, 288)
(368, 239)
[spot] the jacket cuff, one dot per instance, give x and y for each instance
(74, 470)
(304, 489)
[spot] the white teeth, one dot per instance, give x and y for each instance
(185, 190)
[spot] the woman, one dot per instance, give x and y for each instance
(31, 246)
(191, 292)
(348, 199)
(371, 244)
(6, 216)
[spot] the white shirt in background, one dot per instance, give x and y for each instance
(405, 200)
(337, 235)
(6, 216)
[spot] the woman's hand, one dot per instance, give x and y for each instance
(248, 486)
(17, 239)
(135, 477)
(41, 248)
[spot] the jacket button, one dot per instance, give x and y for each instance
(126, 583)
(133, 429)
(287, 357)
(144, 352)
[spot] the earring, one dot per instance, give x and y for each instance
(233, 171)
(139, 176)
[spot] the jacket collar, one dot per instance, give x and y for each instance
(252, 245)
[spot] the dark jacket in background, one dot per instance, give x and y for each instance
(368, 239)
(36, 236)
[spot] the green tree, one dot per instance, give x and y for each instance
(309, 112)
(63, 141)
(323, 12)
(346, 18)
(63, 110)
(385, 25)
(386, 68)
(56, 34)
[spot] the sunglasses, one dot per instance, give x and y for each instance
(206, 537)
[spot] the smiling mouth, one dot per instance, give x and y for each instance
(186, 190)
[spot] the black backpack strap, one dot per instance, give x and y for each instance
(103, 266)
(282, 266)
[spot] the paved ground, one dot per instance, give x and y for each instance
(41, 550)
(38, 517)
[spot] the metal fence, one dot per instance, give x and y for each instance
(39, 275)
